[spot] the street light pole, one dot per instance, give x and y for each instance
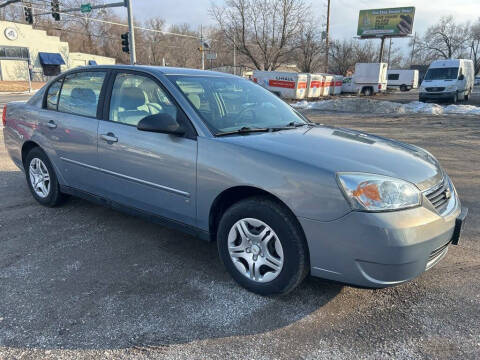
(131, 40)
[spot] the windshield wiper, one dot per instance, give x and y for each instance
(243, 130)
(291, 125)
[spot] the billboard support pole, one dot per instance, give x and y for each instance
(380, 58)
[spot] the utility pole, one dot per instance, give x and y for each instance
(413, 48)
(327, 37)
(133, 55)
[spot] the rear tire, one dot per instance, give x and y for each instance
(41, 178)
(367, 91)
(270, 255)
(403, 88)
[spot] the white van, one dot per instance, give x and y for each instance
(404, 80)
(450, 80)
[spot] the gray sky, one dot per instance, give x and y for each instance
(344, 13)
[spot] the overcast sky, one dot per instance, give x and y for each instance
(344, 13)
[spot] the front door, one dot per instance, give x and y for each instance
(149, 171)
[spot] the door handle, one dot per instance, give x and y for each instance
(51, 124)
(109, 138)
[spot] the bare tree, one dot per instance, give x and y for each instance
(263, 30)
(474, 41)
(310, 46)
(445, 40)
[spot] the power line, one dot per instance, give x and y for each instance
(117, 24)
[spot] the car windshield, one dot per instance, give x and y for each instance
(442, 73)
(229, 104)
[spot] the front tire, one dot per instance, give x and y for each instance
(41, 178)
(455, 98)
(262, 246)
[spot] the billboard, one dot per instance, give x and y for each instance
(386, 22)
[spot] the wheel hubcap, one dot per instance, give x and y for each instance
(39, 177)
(255, 250)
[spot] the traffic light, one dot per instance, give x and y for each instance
(56, 10)
(28, 15)
(125, 44)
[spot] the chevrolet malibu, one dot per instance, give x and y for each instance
(225, 160)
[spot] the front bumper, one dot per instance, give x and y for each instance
(381, 249)
(444, 95)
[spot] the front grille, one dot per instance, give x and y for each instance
(435, 89)
(439, 195)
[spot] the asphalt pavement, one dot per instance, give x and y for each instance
(83, 281)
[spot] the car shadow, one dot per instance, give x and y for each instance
(82, 276)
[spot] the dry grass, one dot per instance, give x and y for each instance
(14, 86)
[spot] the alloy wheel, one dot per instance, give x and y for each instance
(39, 178)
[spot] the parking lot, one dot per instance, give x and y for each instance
(83, 280)
(412, 95)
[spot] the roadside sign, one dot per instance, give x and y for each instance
(386, 22)
(85, 8)
(211, 56)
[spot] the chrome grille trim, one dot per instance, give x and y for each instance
(440, 195)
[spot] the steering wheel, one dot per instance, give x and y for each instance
(248, 107)
(154, 106)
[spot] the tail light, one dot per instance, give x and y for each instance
(4, 116)
(379, 86)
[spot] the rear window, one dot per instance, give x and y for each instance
(80, 93)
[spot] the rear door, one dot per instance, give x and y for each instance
(70, 122)
(148, 171)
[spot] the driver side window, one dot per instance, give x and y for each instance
(135, 97)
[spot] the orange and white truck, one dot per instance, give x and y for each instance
(286, 85)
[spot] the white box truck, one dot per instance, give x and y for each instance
(451, 80)
(404, 80)
(314, 86)
(370, 78)
(286, 85)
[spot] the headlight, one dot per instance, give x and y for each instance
(370, 192)
(451, 88)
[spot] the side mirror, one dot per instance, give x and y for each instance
(461, 77)
(161, 123)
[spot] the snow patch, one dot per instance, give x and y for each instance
(361, 105)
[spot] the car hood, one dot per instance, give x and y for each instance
(342, 150)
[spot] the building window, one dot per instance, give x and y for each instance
(14, 52)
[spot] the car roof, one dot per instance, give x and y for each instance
(165, 70)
